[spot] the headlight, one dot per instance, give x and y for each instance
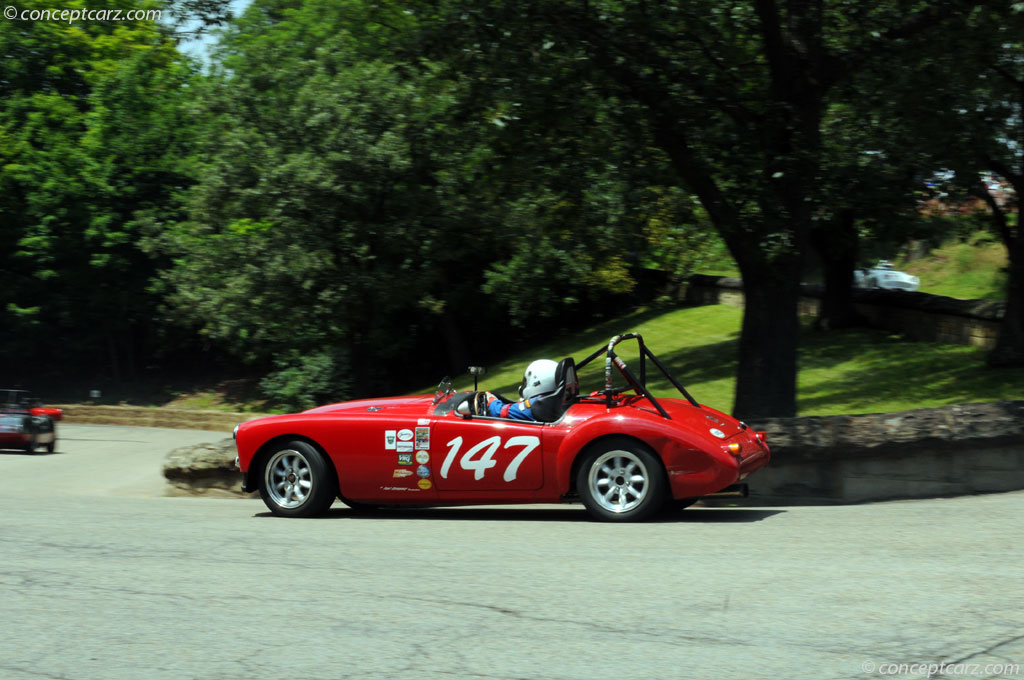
(234, 432)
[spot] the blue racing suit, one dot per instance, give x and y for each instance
(518, 410)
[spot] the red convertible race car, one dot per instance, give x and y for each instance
(619, 450)
(25, 424)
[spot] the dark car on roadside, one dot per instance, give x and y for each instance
(26, 424)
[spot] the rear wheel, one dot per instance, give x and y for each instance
(621, 480)
(297, 481)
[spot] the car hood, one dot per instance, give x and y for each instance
(392, 405)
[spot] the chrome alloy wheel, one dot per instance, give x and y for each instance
(289, 478)
(619, 481)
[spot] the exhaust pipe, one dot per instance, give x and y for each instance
(734, 491)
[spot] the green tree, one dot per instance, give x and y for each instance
(91, 138)
(359, 206)
(983, 115)
(735, 95)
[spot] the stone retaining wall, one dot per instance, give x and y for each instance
(919, 316)
(954, 450)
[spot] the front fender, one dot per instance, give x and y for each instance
(692, 466)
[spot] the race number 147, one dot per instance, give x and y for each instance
(480, 458)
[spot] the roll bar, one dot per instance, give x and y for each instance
(612, 358)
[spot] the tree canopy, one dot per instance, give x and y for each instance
(354, 196)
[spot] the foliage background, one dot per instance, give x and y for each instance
(354, 197)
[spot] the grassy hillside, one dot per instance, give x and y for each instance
(856, 371)
(970, 271)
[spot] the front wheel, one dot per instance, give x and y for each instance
(297, 481)
(621, 480)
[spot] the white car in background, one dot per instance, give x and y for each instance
(882, 275)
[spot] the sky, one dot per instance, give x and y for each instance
(200, 47)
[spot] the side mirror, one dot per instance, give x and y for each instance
(476, 372)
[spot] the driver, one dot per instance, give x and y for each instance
(538, 380)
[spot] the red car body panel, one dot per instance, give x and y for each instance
(407, 450)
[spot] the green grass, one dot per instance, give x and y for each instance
(963, 270)
(854, 371)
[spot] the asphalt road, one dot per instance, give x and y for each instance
(102, 577)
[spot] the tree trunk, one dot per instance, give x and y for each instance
(766, 375)
(837, 248)
(1009, 349)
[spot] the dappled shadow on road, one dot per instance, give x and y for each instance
(532, 514)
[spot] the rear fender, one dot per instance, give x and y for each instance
(672, 445)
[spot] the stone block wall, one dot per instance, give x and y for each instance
(954, 450)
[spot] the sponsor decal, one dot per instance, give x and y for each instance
(404, 435)
(422, 438)
(400, 488)
(405, 459)
(402, 473)
(404, 446)
(389, 440)
(718, 433)
(423, 421)
(422, 457)
(425, 484)
(423, 472)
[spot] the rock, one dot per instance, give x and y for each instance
(204, 467)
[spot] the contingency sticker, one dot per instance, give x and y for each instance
(405, 459)
(423, 421)
(425, 484)
(422, 457)
(399, 473)
(389, 440)
(404, 435)
(404, 446)
(423, 472)
(422, 438)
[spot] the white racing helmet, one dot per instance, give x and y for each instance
(538, 379)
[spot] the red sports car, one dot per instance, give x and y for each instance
(619, 450)
(25, 424)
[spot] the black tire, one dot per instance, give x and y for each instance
(52, 446)
(621, 480)
(297, 481)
